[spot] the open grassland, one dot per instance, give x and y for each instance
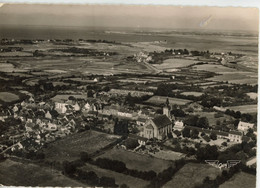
(8, 97)
(228, 74)
(119, 178)
(137, 161)
(212, 119)
(217, 68)
(174, 63)
(162, 99)
(70, 147)
(236, 78)
(27, 174)
(59, 98)
(192, 174)
(252, 95)
(241, 179)
(193, 93)
(244, 108)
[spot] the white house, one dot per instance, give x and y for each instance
(48, 115)
(243, 126)
(251, 161)
(235, 136)
(76, 107)
(178, 125)
(60, 107)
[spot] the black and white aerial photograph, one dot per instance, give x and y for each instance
(128, 96)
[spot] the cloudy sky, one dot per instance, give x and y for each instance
(170, 17)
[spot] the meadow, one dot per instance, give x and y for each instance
(241, 179)
(193, 93)
(162, 99)
(192, 174)
(244, 108)
(13, 173)
(119, 177)
(174, 63)
(137, 161)
(8, 97)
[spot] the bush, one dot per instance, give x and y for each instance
(206, 138)
(224, 144)
(213, 136)
(178, 133)
(84, 156)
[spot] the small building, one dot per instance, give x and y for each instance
(244, 126)
(235, 136)
(250, 162)
(141, 140)
(48, 115)
(178, 125)
(61, 107)
(141, 121)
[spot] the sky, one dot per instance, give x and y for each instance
(133, 16)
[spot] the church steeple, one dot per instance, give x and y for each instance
(167, 109)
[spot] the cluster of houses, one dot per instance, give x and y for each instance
(46, 121)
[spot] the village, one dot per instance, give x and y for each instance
(176, 118)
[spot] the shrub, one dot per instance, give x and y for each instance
(206, 138)
(213, 136)
(224, 144)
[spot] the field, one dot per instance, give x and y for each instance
(252, 95)
(137, 161)
(241, 179)
(8, 97)
(174, 63)
(228, 74)
(119, 178)
(161, 100)
(23, 174)
(212, 120)
(244, 108)
(193, 93)
(58, 98)
(192, 174)
(70, 147)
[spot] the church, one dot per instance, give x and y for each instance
(159, 126)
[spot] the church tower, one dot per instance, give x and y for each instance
(167, 109)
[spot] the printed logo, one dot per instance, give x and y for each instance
(217, 164)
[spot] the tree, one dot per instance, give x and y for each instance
(84, 156)
(186, 132)
(121, 127)
(203, 122)
(90, 93)
(207, 153)
(194, 134)
(191, 120)
(72, 98)
(107, 181)
(213, 136)
(224, 144)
